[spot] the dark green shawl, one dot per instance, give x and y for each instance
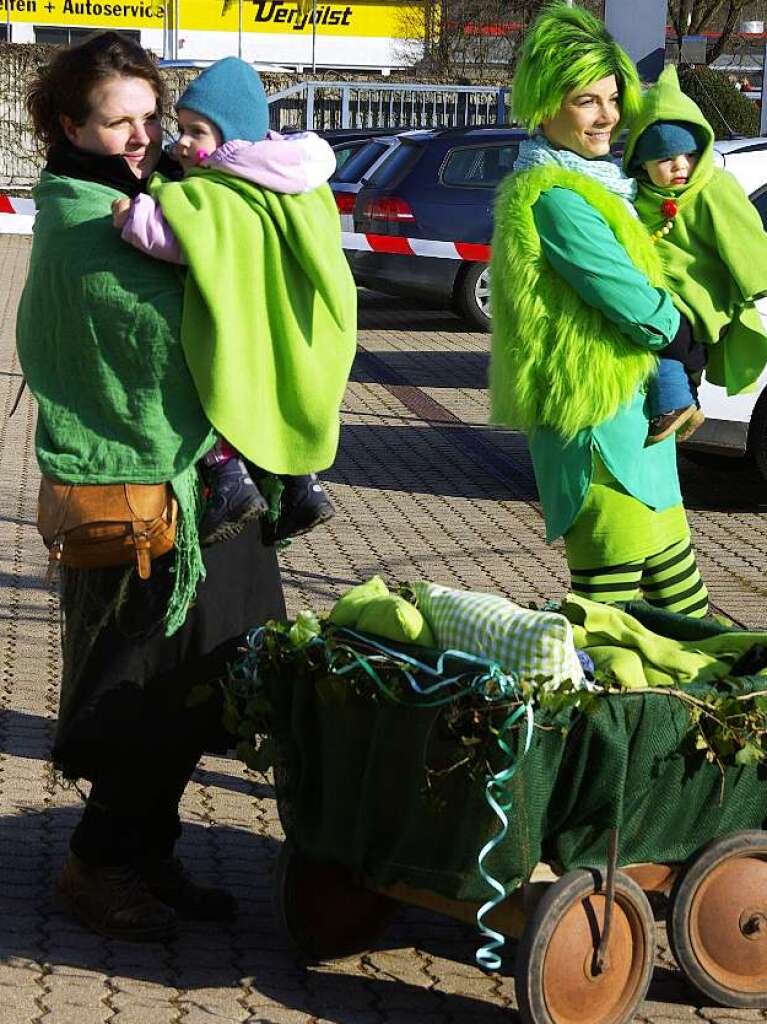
(98, 336)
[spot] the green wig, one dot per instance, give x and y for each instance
(568, 48)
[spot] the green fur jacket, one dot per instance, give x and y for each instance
(558, 362)
(567, 367)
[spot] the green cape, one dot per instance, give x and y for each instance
(270, 314)
(715, 257)
(97, 333)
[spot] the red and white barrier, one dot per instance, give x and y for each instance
(16, 215)
(471, 251)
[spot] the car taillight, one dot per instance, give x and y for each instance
(388, 208)
(345, 201)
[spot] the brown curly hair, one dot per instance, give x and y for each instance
(63, 86)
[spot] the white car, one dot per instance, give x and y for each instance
(738, 425)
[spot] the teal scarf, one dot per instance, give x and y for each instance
(538, 152)
(98, 334)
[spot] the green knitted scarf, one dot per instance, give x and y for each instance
(98, 334)
(556, 361)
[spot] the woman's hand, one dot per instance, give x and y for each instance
(120, 210)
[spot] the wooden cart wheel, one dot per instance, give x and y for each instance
(717, 924)
(322, 911)
(557, 980)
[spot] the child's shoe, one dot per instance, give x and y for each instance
(668, 423)
(697, 419)
(304, 505)
(234, 501)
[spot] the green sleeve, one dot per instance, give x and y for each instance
(580, 245)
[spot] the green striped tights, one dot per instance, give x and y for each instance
(669, 580)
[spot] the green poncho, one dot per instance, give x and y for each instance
(98, 333)
(715, 257)
(270, 314)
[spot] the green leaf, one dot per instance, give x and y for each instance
(199, 695)
(258, 759)
(231, 721)
(750, 753)
(304, 629)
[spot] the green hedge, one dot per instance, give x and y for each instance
(728, 112)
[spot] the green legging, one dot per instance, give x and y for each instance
(669, 579)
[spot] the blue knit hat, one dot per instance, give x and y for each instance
(665, 139)
(231, 95)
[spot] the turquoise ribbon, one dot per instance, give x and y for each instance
(499, 800)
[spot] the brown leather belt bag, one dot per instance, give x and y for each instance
(93, 526)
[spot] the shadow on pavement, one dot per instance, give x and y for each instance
(721, 484)
(485, 463)
(250, 955)
(449, 461)
(428, 369)
(399, 313)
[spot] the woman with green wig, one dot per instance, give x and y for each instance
(579, 315)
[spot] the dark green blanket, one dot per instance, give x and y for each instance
(353, 786)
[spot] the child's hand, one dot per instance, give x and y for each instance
(120, 209)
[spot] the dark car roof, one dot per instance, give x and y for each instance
(469, 134)
(336, 136)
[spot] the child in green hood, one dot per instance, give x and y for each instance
(714, 251)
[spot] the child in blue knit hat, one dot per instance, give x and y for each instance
(667, 152)
(223, 120)
(713, 248)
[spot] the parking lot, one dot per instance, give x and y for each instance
(424, 489)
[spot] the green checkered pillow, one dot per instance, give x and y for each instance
(521, 640)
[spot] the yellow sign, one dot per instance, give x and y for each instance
(382, 20)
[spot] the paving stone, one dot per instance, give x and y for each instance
(414, 498)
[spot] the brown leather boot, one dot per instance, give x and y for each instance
(167, 880)
(669, 423)
(697, 419)
(115, 901)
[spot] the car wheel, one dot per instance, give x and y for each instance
(757, 436)
(472, 295)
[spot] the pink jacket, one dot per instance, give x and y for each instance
(283, 163)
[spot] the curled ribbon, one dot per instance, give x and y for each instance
(499, 800)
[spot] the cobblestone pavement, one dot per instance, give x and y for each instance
(423, 488)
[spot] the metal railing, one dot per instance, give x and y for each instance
(315, 105)
(321, 106)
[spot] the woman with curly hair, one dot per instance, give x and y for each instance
(99, 339)
(579, 313)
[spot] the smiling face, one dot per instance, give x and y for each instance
(197, 135)
(586, 120)
(672, 171)
(123, 121)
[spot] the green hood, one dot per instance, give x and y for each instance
(665, 101)
(714, 253)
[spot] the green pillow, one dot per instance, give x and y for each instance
(346, 610)
(396, 619)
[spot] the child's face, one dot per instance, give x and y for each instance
(197, 134)
(673, 170)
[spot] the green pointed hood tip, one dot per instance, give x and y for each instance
(665, 101)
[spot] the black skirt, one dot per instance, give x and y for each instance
(121, 672)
